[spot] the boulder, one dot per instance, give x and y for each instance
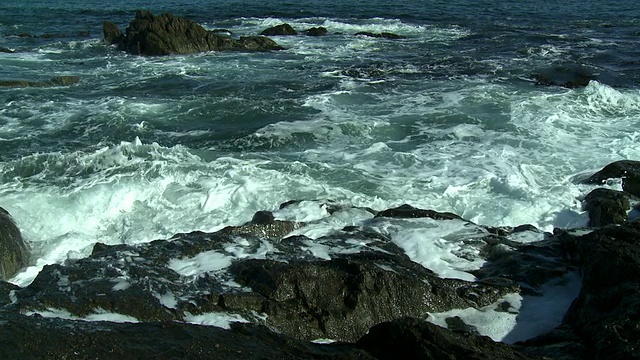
(569, 76)
(627, 170)
(606, 207)
(14, 254)
(316, 31)
(383, 35)
(282, 29)
(167, 34)
(408, 211)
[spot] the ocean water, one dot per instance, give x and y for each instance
(448, 118)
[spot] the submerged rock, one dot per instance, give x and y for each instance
(627, 170)
(384, 35)
(14, 254)
(6, 50)
(282, 29)
(56, 81)
(569, 76)
(606, 207)
(167, 34)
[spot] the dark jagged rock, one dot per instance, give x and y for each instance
(112, 34)
(40, 338)
(606, 314)
(569, 76)
(316, 31)
(408, 211)
(330, 206)
(627, 170)
(606, 207)
(14, 254)
(56, 81)
(341, 298)
(167, 34)
(417, 339)
(282, 29)
(384, 35)
(6, 50)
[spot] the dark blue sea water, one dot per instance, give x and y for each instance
(449, 118)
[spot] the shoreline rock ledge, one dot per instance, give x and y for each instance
(168, 34)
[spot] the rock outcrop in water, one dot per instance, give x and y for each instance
(167, 34)
(282, 29)
(353, 285)
(14, 254)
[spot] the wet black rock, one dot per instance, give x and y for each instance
(627, 170)
(316, 31)
(32, 337)
(167, 34)
(606, 207)
(282, 29)
(606, 314)
(417, 339)
(6, 50)
(408, 211)
(569, 76)
(263, 224)
(384, 35)
(14, 253)
(341, 298)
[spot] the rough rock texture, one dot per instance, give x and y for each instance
(606, 207)
(569, 76)
(13, 252)
(384, 35)
(416, 339)
(627, 170)
(56, 81)
(168, 34)
(316, 31)
(282, 29)
(606, 314)
(263, 224)
(29, 337)
(341, 298)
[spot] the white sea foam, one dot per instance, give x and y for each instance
(98, 315)
(438, 245)
(527, 316)
(221, 320)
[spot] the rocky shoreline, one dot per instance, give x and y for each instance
(365, 293)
